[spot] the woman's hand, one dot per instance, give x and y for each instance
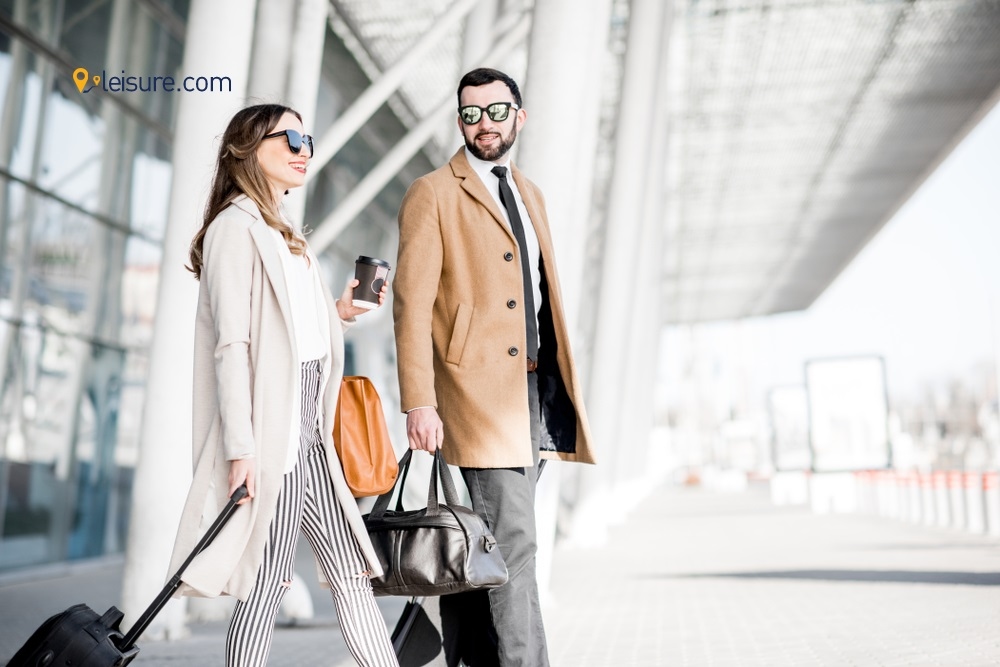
(345, 304)
(241, 471)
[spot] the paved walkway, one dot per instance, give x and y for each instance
(690, 578)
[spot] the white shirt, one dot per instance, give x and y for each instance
(302, 298)
(492, 183)
(311, 336)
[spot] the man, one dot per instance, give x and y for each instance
(485, 368)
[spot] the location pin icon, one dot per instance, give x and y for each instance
(97, 79)
(80, 76)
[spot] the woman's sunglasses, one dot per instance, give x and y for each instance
(496, 112)
(295, 140)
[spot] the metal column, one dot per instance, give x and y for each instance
(271, 55)
(556, 150)
(557, 147)
(13, 381)
(479, 33)
(634, 469)
(286, 60)
(620, 296)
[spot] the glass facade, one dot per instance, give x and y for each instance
(84, 193)
(84, 182)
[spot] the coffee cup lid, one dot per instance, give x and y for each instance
(373, 261)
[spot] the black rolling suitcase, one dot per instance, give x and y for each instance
(81, 637)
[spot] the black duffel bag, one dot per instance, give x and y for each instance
(441, 549)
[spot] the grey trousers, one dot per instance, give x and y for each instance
(502, 626)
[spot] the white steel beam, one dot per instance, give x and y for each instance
(377, 93)
(369, 186)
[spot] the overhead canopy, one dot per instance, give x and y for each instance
(799, 129)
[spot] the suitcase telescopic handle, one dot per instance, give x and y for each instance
(128, 641)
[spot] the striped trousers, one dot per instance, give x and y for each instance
(307, 503)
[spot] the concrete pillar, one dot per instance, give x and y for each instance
(620, 298)
(556, 151)
(163, 472)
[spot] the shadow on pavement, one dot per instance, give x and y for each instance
(884, 576)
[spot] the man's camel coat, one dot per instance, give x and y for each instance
(247, 389)
(460, 333)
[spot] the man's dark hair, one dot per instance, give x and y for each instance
(485, 75)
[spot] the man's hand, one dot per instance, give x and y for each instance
(241, 471)
(424, 429)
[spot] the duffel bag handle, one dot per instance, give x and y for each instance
(438, 470)
(447, 483)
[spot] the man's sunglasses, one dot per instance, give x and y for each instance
(497, 112)
(295, 140)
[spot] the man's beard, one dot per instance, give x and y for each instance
(495, 153)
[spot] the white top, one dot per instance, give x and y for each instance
(492, 184)
(302, 297)
(311, 336)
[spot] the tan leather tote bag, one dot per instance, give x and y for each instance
(362, 439)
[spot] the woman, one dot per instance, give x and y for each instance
(269, 357)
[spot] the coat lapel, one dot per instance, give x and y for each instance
(537, 214)
(264, 240)
(473, 185)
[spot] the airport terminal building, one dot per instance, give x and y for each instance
(735, 154)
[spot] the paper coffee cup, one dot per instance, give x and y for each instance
(371, 273)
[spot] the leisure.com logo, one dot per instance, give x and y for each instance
(131, 83)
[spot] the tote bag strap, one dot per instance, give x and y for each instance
(382, 502)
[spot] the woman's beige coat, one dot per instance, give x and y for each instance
(246, 384)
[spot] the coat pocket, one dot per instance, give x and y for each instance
(459, 334)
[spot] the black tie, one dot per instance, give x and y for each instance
(507, 198)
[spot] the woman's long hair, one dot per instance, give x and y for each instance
(237, 172)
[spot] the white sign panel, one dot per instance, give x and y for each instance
(848, 413)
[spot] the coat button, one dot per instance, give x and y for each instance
(509, 256)
(512, 351)
(512, 304)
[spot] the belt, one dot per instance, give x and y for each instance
(532, 365)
